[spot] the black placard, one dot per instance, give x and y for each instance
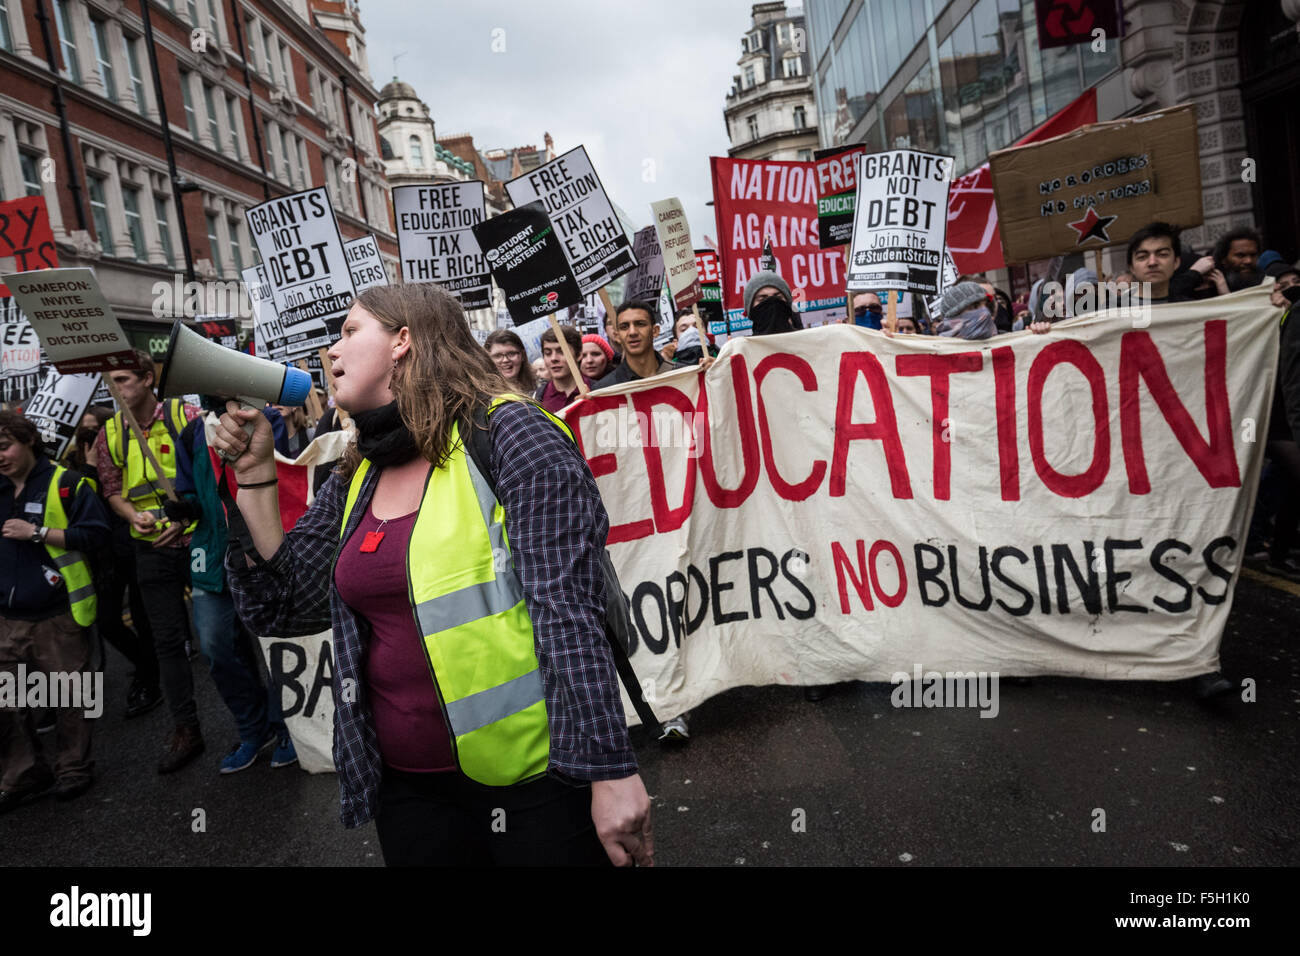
(524, 255)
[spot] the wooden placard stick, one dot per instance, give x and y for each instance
(609, 308)
(891, 312)
(1096, 263)
(345, 420)
(313, 403)
(139, 436)
(568, 356)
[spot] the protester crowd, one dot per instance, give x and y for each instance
(138, 569)
(100, 547)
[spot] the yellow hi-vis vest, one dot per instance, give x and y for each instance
(71, 564)
(477, 635)
(141, 486)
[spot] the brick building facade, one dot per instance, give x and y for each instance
(261, 99)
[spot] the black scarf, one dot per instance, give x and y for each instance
(773, 316)
(383, 437)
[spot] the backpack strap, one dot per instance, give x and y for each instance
(617, 621)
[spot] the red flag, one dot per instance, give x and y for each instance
(973, 237)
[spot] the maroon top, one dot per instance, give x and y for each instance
(399, 684)
(553, 400)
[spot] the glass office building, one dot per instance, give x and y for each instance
(961, 78)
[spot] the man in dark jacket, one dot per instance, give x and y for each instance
(637, 328)
(49, 520)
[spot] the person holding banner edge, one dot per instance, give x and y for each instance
(507, 758)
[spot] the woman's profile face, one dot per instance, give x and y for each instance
(363, 360)
(593, 361)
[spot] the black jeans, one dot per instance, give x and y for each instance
(1286, 459)
(115, 576)
(446, 819)
(163, 574)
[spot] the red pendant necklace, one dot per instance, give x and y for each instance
(371, 544)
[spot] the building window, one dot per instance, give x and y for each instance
(290, 158)
(6, 40)
(99, 38)
(66, 45)
(164, 230)
(752, 122)
(236, 253)
(191, 118)
(800, 118)
(134, 224)
(214, 130)
(99, 212)
(214, 15)
(213, 247)
(30, 164)
(266, 54)
(133, 67)
(805, 155)
(192, 8)
(780, 35)
(792, 66)
(417, 152)
(232, 115)
(749, 77)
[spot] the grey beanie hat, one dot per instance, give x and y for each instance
(958, 298)
(761, 280)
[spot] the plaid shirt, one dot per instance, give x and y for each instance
(556, 525)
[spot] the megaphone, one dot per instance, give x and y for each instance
(200, 366)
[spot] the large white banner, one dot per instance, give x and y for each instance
(834, 504)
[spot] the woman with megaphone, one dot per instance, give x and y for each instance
(478, 718)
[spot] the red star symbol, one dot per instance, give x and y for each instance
(1092, 226)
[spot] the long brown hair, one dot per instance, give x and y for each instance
(441, 377)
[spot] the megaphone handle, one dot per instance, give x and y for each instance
(256, 405)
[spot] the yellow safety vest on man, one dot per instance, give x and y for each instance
(469, 608)
(141, 486)
(71, 564)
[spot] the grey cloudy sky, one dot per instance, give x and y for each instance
(641, 85)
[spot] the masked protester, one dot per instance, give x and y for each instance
(768, 305)
(966, 313)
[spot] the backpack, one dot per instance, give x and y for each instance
(618, 623)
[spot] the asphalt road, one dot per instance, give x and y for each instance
(769, 779)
